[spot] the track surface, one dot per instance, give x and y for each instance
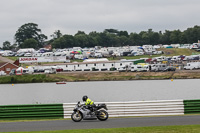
(110, 123)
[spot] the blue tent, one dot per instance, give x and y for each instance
(169, 47)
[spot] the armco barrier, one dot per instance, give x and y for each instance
(34, 111)
(115, 109)
(137, 108)
(191, 106)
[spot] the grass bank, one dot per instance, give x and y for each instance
(178, 51)
(26, 79)
(160, 129)
(98, 76)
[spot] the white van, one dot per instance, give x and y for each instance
(98, 55)
(78, 56)
(192, 65)
(50, 70)
(161, 58)
(158, 67)
(187, 58)
(137, 68)
(176, 58)
(124, 69)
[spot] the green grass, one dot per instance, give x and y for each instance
(178, 51)
(159, 129)
(12, 58)
(37, 78)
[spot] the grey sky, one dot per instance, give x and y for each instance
(69, 16)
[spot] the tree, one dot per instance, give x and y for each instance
(81, 40)
(6, 45)
(165, 38)
(175, 36)
(94, 39)
(80, 33)
(56, 34)
(28, 31)
(145, 39)
(123, 33)
(65, 41)
(123, 41)
(29, 43)
(135, 39)
(192, 34)
(154, 38)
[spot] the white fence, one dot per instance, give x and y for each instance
(137, 108)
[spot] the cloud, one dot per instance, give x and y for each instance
(69, 16)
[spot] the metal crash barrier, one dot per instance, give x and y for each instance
(115, 109)
(137, 108)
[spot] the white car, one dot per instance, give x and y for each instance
(28, 55)
(123, 69)
(2, 73)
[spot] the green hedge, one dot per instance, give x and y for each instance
(35, 111)
(192, 106)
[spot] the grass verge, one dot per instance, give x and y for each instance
(159, 129)
(97, 76)
(37, 78)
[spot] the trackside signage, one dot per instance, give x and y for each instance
(42, 59)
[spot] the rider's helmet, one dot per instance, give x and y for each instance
(85, 98)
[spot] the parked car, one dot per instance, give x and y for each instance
(176, 58)
(12, 72)
(139, 68)
(2, 73)
(182, 57)
(28, 55)
(157, 67)
(122, 69)
(50, 71)
(195, 58)
(11, 54)
(169, 68)
(59, 70)
(187, 58)
(20, 54)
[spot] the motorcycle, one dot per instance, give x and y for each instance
(82, 112)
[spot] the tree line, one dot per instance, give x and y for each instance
(30, 36)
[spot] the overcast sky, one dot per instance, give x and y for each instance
(69, 16)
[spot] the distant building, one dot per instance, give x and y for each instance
(7, 67)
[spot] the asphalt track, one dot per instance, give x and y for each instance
(110, 123)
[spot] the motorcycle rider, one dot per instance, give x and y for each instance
(89, 103)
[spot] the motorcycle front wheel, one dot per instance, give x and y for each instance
(76, 116)
(102, 115)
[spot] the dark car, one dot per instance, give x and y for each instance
(12, 72)
(169, 68)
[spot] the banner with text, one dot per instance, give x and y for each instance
(42, 59)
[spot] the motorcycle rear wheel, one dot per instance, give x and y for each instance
(76, 116)
(103, 115)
